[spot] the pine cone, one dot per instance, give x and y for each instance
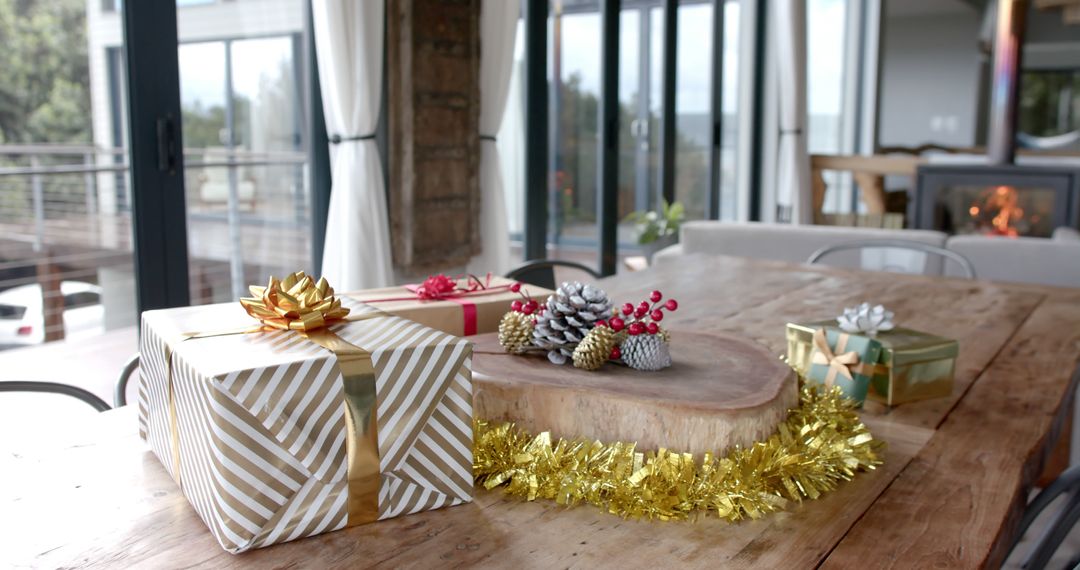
(515, 332)
(568, 316)
(594, 349)
(646, 352)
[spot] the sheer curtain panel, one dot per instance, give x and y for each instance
(793, 161)
(498, 28)
(349, 48)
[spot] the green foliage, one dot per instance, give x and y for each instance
(44, 72)
(653, 225)
(1049, 102)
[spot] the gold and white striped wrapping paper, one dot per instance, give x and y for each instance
(261, 421)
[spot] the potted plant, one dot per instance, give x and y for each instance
(658, 229)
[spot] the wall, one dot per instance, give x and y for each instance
(929, 79)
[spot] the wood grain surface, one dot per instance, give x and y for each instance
(720, 391)
(949, 494)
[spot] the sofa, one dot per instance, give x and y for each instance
(1046, 261)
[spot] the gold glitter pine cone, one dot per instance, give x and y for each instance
(516, 332)
(593, 350)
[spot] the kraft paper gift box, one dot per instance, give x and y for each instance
(278, 435)
(912, 365)
(466, 314)
(842, 359)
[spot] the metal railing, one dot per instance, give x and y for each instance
(66, 208)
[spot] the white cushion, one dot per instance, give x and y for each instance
(795, 243)
(1066, 234)
(1022, 260)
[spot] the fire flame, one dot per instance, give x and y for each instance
(996, 210)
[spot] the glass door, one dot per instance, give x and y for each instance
(243, 94)
(66, 263)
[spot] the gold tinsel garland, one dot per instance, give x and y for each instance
(821, 443)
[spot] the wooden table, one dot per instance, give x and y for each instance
(956, 473)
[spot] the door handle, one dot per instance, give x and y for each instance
(166, 144)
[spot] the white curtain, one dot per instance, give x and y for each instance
(793, 161)
(349, 47)
(498, 28)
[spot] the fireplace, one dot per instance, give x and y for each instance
(995, 196)
(1003, 200)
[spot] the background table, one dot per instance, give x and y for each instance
(956, 475)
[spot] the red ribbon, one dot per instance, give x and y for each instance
(442, 288)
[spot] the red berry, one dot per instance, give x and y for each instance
(601, 323)
(656, 296)
(636, 328)
(532, 304)
(657, 315)
(639, 312)
(615, 353)
(628, 308)
(617, 324)
(643, 305)
(528, 309)
(516, 306)
(515, 287)
(653, 328)
(671, 304)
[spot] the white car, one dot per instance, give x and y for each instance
(22, 320)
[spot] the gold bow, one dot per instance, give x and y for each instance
(294, 303)
(839, 364)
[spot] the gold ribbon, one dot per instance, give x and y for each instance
(839, 362)
(300, 304)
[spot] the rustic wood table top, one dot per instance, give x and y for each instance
(956, 474)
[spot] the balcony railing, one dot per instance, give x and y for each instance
(65, 216)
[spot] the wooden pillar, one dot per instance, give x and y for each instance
(49, 277)
(433, 69)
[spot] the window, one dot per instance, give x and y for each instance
(12, 312)
(63, 175)
(81, 299)
(1050, 106)
(248, 204)
(574, 67)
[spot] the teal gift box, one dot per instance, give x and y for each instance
(845, 360)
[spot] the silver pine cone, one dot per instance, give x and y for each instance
(569, 314)
(646, 352)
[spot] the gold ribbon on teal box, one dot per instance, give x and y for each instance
(844, 360)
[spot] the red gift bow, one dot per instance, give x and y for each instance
(441, 287)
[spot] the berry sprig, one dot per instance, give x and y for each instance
(527, 307)
(644, 318)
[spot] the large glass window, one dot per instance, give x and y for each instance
(574, 56)
(828, 112)
(1050, 107)
(247, 198)
(66, 265)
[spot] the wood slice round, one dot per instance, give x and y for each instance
(720, 391)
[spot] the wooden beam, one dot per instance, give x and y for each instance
(52, 299)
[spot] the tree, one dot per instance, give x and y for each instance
(44, 72)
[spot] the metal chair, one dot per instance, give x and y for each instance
(965, 265)
(541, 272)
(1067, 483)
(120, 392)
(55, 388)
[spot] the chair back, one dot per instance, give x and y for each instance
(966, 269)
(541, 272)
(794, 243)
(55, 388)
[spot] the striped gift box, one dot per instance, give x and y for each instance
(254, 427)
